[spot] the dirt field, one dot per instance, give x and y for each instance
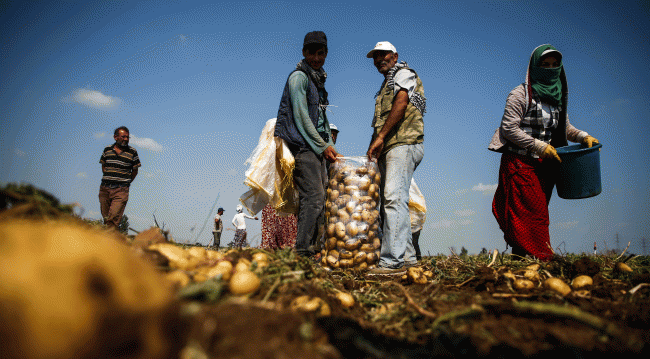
(290, 307)
(464, 309)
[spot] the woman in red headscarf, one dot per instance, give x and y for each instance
(534, 123)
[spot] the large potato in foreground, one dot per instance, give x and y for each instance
(68, 290)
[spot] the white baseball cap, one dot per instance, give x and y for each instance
(333, 127)
(382, 46)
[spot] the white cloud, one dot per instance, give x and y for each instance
(99, 134)
(82, 175)
(146, 143)
(95, 99)
(465, 212)
(485, 187)
(566, 225)
(443, 223)
(19, 152)
(465, 222)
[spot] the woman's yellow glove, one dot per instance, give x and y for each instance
(550, 152)
(589, 141)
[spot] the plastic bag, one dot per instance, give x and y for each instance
(270, 175)
(352, 215)
(417, 207)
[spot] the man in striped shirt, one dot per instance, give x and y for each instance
(120, 163)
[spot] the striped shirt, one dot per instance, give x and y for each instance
(118, 168)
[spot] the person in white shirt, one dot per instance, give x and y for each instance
(240, 227)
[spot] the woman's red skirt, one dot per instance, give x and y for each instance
(520, 204)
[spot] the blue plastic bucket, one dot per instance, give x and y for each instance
(579, 172)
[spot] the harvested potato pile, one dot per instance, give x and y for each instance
(198, 264)
(68, 290)
(352, 215)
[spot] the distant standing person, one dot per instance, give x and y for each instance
(397, 145)
(218, 228)
(534, 122)
(240, 227)
(120, 163)
(302, 123)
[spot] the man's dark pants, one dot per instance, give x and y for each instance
(310, 177)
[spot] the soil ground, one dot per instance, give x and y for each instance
(465, 309)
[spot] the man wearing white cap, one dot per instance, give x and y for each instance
(240, 227)
(397, 146)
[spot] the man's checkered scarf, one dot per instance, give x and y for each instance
(419, 101)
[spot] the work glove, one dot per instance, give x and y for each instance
(550, 152)
(589, 141)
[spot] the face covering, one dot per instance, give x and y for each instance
(546, 82)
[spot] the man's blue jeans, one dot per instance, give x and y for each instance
(396, 168)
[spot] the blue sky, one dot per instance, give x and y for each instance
(195, 82)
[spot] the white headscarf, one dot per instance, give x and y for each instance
(240, 209)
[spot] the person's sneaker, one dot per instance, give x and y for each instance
(385, 271)
(410, 264)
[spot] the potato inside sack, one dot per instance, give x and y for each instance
(367, 247)
(333, 209)
(360, 257)
(350, 206)
(362, 227)
(351, 180)
(331, 229)
(345, 254)
(351, 229)
(346, 263)
(339, 230)
(332, 261)
(340, 244)
(352, 189)
(334, 194)
(372, 188)
(364, 183)
(352, 244)
(344, 216)
(341, 201)
(330, 243)
(371, 258)
(333, 183)
(361, 238)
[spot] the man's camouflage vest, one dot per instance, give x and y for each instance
(410, 130)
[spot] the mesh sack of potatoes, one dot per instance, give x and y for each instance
(351, 209)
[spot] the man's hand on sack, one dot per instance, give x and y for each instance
(331, 154)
